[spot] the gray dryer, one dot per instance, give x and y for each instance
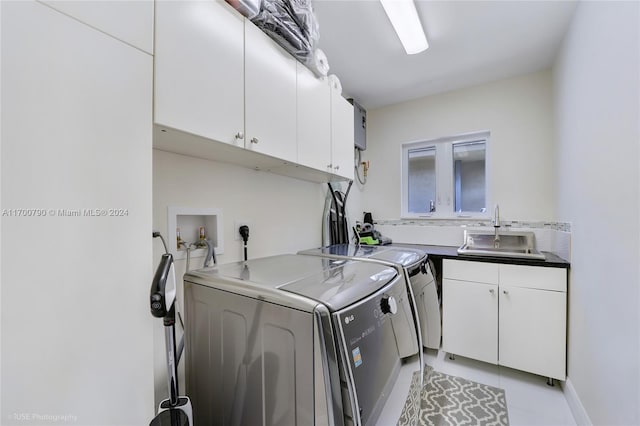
(292, 340)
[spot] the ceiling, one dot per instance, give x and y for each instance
(470, 43)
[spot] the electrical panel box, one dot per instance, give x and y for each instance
(360, 125)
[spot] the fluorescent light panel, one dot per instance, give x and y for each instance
(404, 18)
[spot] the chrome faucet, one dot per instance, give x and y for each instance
(496, 225)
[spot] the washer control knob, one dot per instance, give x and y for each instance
(388, 305)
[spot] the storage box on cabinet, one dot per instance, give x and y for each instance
(512, 315)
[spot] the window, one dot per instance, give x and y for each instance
(422, 179)
(445, 177)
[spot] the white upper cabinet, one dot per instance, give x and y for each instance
(314, 120)
(199, 69)
(129, 21)
(225, 91)
(325, 126)
(342, 136)
(270, 96)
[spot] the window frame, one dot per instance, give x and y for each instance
(445, 183)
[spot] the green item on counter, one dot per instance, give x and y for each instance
(370, 241)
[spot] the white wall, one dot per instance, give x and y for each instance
(597, 95)
(520, 161)
(76, 134)
(285, 214)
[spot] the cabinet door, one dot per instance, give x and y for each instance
(199, 69)
(534, 277)
(314, 120)
(464, 270)
(533, 330)
(270, 96)
(342, 136)
(76, 135)
(470, 319)
(129, 21)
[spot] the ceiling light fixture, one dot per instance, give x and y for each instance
(404, 18)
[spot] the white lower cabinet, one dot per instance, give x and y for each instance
(532, 329)
(511, 315)
(470, 319)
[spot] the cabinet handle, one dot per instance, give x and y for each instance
(254, 140)
(239, 135)
(491, 291)
(337, 167)
(505, 292)
(330, 166)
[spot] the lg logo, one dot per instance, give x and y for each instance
(348, 319)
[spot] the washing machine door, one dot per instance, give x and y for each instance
(370, 358)
(424, 289)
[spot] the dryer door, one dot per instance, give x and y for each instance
(370, 358)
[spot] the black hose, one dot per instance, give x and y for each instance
(157, 234)
(334, 226)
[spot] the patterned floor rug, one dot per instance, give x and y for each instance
(452, 401)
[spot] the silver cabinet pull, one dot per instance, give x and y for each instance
(505, 292)
(239, 135)
(254, 140)
(491, 291)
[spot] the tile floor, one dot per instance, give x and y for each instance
(529, 400)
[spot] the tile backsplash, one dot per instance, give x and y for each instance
(558, 226)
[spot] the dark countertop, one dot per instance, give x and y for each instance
(448, 252)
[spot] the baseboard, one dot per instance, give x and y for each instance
(577, 409)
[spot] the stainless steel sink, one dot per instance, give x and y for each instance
(502, 244)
